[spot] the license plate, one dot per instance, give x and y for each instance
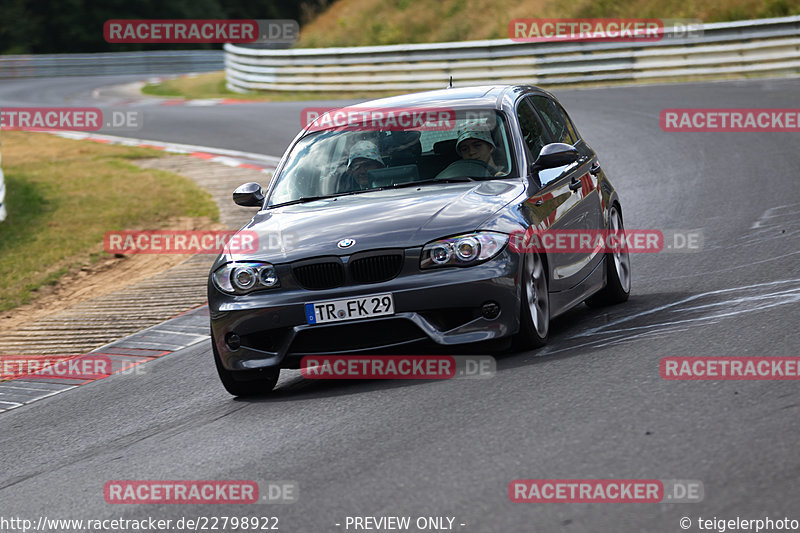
(349, 309)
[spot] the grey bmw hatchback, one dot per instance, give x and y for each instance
(387, 228)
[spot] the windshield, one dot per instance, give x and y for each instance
(348, 160)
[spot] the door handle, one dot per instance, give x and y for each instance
(575, 184)
(595, 169)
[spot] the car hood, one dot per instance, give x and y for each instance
(392, 218)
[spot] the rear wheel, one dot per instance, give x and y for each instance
(245, 382)
(535, 313)
(618, 268)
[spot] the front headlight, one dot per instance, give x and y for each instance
(241, 278)
(463, 250)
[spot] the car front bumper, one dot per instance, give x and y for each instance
(439, 305)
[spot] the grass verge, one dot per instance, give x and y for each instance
(62, 196)
(212, 85)
(375, 22)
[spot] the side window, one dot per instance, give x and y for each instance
(570, 126)
(556, 119)
(532, 131)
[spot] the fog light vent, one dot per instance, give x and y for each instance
(233, 341)
(490, 310)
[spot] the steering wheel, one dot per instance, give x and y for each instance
(469, 168)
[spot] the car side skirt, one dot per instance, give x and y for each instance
(562, 301)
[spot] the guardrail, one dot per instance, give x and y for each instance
(156, 62)
(750, 46)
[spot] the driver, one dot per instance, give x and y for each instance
(364, 157)
(475, 142)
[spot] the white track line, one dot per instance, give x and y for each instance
(268, 160)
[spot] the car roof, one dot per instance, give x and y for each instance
(456, 97)
(497, 97)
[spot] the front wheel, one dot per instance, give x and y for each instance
(534, 325)
(618, 268)
(245, 382)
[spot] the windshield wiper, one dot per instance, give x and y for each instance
(425, 182)
(305, 199)
(302, 200)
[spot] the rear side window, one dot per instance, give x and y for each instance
(532, 130)
(556, 119)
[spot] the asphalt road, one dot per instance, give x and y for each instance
(590, 405)
(263, 128)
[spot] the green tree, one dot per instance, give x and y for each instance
(73, 26)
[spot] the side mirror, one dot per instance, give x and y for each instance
(248, 195)
(555, 155)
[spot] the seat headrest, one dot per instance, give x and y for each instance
(445, 147)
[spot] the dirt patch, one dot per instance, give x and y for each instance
(109, 274)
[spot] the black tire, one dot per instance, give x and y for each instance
(533, 330)
(246, 382)
(618, 270)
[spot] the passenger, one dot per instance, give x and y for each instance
(475, 142)
(364, 157)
